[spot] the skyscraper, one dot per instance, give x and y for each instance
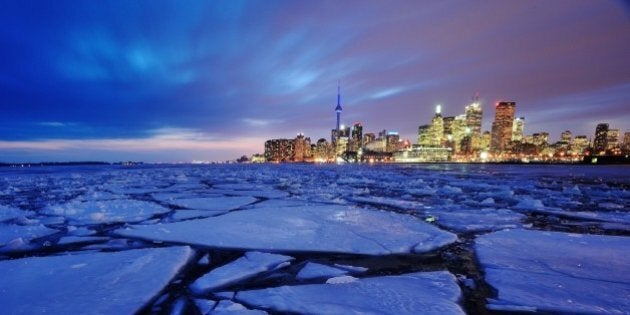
(473, 116)
(517, 129)
(436, 131)
(600, 143)
(502, 126)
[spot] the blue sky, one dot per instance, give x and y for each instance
(211, 80)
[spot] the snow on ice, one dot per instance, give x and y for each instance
(251, 264)
(99, 283)
(556, 272)
(415, 293)
(303, 229)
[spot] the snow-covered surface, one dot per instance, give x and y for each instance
(428, 216)
(251, 264)
(97, 283)
(416, 293)
(477, 219)
(307, 229)
(557, 272)
(119, 210)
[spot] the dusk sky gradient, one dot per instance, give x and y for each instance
(167, 81)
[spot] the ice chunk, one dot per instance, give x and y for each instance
(415, 293)
(252, 264)
(10, 232)
(101, 283)
(467, 220)
(529, 203)
(305, 229)
(313, 270)
(8, 213)
(556, 272)
(119, 210)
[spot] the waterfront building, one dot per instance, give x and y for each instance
(540, 139)
(356, 141)
(436, 130)
(626, 142)
(423, 135)
(392, 139)
(368, 137)
(420, 154)
(612, 140)
(518, 128)
(279, 150)
(502, 126)
(580, 144)
(566, 136)
(302, 149)
(600, 143)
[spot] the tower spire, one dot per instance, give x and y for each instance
(338, 108)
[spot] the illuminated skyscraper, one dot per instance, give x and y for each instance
(517, 129)
(600, 143)
(626, 142)
(436, 131)
(502, 126)
(473, 116)
(612, 140)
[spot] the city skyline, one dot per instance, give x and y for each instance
(183, 81)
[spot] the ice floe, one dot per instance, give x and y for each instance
(303, 229)
(415, 293)
(314, 270)
(556, 272)
(251, 264)
(99, 283)
(95, 212)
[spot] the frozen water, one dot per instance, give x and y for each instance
(416, 293)
(252, 264)
(303, 229)
(557, 272)
(22, 234)
(313, 271)
(99, 283)
(8, 213)
(332, 215)
(477, 219)
(94, 212)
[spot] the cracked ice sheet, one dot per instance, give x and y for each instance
(478, 219)
(101, 283)
(556, 272)
(96, 212)
(250, 265)
(314, 270)
(336, 229)
(415, 293)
